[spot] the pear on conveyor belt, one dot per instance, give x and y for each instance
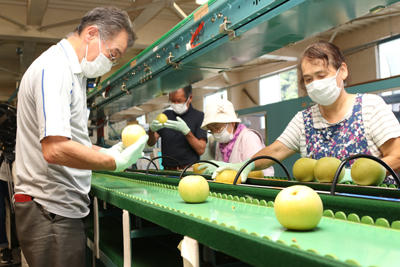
(325, 169)
(196, 168)
(366, 171)
(303, 169)
(227, 177)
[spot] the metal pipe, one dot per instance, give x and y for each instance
(179, 11)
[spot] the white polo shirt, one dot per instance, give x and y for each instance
(52, 102)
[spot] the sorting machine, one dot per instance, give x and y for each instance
(218, 36)
(360, 226)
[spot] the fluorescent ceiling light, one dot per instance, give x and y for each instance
(200, 2)
(208, 87)
(276, 57)
(138, 108)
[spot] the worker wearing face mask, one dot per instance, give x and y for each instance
(54, 154)
(339, 124)
(235, 142)
(181, 136)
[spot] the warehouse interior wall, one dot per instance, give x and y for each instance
(360, 50)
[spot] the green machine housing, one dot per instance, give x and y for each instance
(229, 34)
(239, 220)
(361, 228)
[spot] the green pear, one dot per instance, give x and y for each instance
(303, 169)
(325, 169)
(366, 171)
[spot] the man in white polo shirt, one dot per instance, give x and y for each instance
(54, 155)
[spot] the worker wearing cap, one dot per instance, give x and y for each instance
(235, 142)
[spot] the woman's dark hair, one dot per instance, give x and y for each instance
(328, 52)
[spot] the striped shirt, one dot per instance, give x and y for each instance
(379, 122)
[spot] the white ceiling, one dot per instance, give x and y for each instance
(31, 26)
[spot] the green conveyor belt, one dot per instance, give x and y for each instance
(379, 191)
(250, 231)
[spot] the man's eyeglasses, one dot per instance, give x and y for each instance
(113, 54)
(216, 129)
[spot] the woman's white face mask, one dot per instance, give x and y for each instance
(324, 92)
(224, 136)
(180, 108)
(98, 67)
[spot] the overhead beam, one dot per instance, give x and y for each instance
(96, 2)
(85, 5)
(20, 25)
(60, 24)
(12, 2)
(143, 4)
(35, 12)
(89, 4)
(7, 70)
(148, 14)
(34, 35)
(28, 35)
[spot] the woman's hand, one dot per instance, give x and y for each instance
(209, 169)
(236, 167)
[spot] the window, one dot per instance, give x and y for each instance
(389, 58)
(389, 65)
(278, 87)
(255, 121)
(220, 95)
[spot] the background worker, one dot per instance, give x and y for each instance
(339, 124)
(181, 136)
(54, 155)
(235, 142)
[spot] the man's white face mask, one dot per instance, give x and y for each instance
(224, 136)
(324, 92)
(180, 108)
(98, 67)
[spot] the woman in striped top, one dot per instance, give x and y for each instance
(339, 124)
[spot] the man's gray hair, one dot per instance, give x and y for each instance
(110, 21)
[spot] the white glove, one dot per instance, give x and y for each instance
(236, 167)
(155, 126)
(117, 147)
(209, 168)
(178, 125)
(124, 158)
(347, 176)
